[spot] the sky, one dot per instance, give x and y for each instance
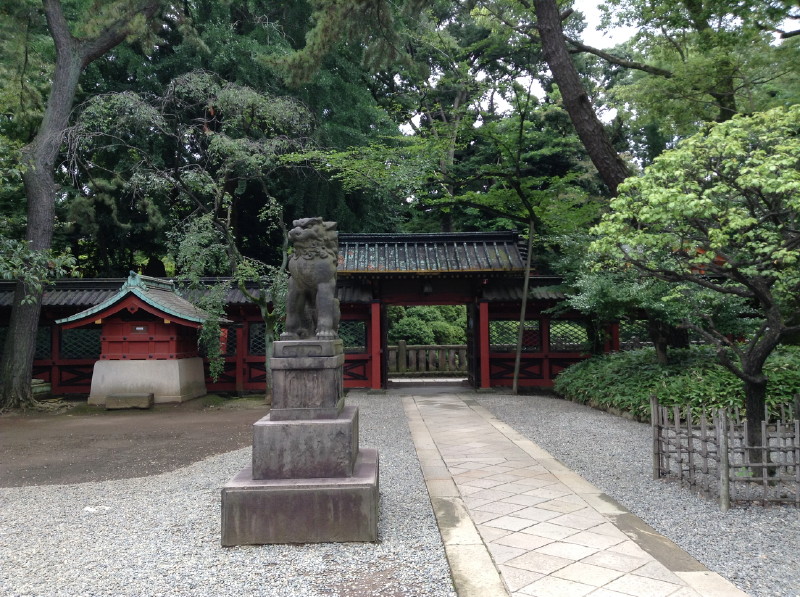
(593, 37)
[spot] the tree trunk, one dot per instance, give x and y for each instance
(655, 330)
(755, 400)
(576, 101)
(17, 362)
(39, 159)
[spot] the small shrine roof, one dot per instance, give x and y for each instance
(155, 292)
(440, 253)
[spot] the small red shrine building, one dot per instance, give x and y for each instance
(148, 342)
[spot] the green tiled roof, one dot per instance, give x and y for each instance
(159, 294)
(440, 253)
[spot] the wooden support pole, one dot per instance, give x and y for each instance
(656, 437)
(724, 465)
(483, 345)
(375, 346)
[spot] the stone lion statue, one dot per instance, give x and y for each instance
(312, 309)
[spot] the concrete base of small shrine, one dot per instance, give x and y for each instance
(267, 511)
(174, 380)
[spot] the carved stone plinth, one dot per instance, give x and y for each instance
(258, 512)
(307, 379)
(306, 449)
(309, 481)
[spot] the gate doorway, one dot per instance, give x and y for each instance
(427, 343)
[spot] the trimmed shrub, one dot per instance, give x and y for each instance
(447, 333)
(412, 330)
(694, 378)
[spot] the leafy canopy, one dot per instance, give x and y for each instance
(725, 201)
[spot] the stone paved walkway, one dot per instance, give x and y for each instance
(515, 521)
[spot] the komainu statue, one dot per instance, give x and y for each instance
(312, 309)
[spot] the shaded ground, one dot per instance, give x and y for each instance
(91, 444)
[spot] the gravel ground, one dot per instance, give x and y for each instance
(160, 535)
(756, 548)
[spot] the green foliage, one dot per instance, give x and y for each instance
(693, 378)
(212, 301)
(717, 218)
(702, 61)
(447, 333)
(726, 200)
(437, 324)
(35, 269)
(26, 58)
(412, 330)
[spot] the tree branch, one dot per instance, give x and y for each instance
(479, 206)
(116, 32)
(653, 70)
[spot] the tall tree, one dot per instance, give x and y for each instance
(719, 214)
(698, 61)
(590, 129)
(209, 150)
(88, 36)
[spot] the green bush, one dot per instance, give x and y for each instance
(412, 330)
(447, 333)
(694, 378)
(428, 324)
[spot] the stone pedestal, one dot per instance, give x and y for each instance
(175, 380)
(309, 481)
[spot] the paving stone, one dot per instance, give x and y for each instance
(657, 571)
(596, 576)
(502, 553)
(523, 540)
(516, 578)
(550, 586)
(511, 523)
(561, 505)
(539, 562)
(492, 533)
(498, 507)
(536, 514)
(592, 539)
(567, 550)
(640, 585)
(524, 500)
(615, 561)
(550, 531)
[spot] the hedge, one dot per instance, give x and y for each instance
(625, 381)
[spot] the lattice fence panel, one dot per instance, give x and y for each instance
(353, 335)
(80, 343)
(503, 336)
(43, 343)
(568, 336)
(230, 344)
(257, 344)
(44, 346)
(633, 335)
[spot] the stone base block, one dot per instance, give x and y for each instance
(305, 449)
(259, 512)
(120, 401)
(175, 380)
(307, 379)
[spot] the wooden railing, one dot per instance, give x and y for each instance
(446, 360)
